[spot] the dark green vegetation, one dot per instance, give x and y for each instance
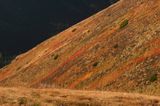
(153, 78)
(124, 23)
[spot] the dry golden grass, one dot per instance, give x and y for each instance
(64, 97)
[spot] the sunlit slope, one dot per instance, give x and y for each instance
(117, 49)
(63, 97)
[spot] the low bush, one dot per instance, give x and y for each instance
(153, 78)
(56, 57)
(74, 30)
(95, 64)
(22, 101)
(124, 23)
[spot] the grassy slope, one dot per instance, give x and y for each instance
(63, 97)
(98, 53)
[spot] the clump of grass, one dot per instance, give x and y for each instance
(153, 78)
(95, 64)
(49, 101)
(116, 46)
(19, 67)
(124, 23)
(36, 95)
(74, 30)
(22, 101)
(56, 57)
(36, 104)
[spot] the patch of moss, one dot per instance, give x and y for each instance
(124, 23)
(153, 78)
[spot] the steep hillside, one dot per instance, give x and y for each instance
(117, 49)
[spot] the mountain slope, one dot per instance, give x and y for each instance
(117, 49)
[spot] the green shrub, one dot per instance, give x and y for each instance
(56, 57)
(153, 78)
(124, 23)
(95, 64)
(22, 101)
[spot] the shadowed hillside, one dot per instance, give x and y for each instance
(117, 49)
